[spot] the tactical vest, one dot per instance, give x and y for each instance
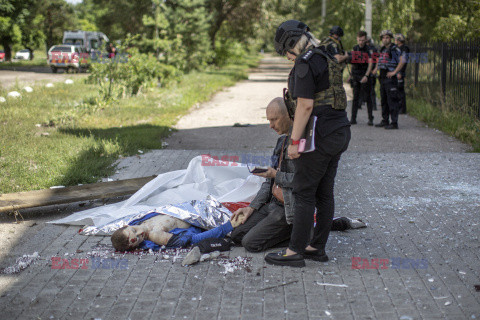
(330, 40)
(335, 95)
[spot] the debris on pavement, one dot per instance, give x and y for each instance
(236, 263)
(332, 284)
(278, 286)
(192, 257)
(21, 263)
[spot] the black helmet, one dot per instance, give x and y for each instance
(288, 34)
(336, 30)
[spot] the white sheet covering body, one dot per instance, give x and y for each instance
(197, 182)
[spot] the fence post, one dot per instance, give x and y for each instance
(444, 71)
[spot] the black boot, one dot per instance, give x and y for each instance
(392, 126)
(382, 124)
(280, 259)
(317, 255)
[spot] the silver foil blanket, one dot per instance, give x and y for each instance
(205, 214)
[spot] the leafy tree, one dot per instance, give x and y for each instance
(238, 17)
(189, 21)
(58, 17)
(157, 39)
(13, 14)
(119, 18)
(87, 13)
(32, 34)
(178, 31)
(463, 21)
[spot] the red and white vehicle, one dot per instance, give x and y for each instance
(2, 56)
(67, 57)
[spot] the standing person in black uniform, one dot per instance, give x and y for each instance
(315, 87)
(400, 42)
(361, 69)
(372, 78)
(390, 65)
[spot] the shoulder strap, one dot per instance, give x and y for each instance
(324, 53)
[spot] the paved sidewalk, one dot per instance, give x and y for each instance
(417, 189)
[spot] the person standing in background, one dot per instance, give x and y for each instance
(400, 42)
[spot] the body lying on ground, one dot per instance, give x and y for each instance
(155, 230)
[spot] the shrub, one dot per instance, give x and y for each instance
(125, 75)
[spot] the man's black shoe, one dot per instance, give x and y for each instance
(370, 122)
(381, 124)
(316, 255)
(280, 259)
(391, 126)
(353, 121)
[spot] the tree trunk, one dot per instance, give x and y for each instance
(31, 52)
(6, 43)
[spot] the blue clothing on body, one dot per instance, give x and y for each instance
(182, 238)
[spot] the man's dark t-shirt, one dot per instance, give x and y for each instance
(308, 78)
(360, 57)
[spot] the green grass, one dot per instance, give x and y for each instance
(84, 136)
(39, 60)
(460, 125)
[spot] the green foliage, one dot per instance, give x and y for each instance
(125, 76)
(63, 136)
(461, 125)
(455, 27)
(32, 34)
(58, 17)
(438, 20)
(118, 18)
(13, 15)
(229, 51)
(86, 25)
(399, 18)
(236, 18)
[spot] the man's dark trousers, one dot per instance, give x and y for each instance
(373, 94)
(360, 91)
(390, 99)
(265, 228)
(401, 96)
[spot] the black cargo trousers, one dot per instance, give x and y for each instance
(313, 185)
(390, 99)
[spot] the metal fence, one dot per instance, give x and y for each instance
(446, 73)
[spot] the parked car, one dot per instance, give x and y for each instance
(23, 54)
(2, 56)
(67, 57)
